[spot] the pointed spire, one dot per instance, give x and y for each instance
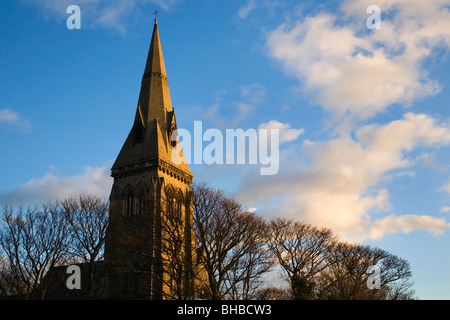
(154, 99)
(150, 136)
(155, 60)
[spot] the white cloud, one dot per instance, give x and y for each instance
(164, 4)
(110, 14)
(12, 118)
(355, 74)
(228, 112)
(253, 93)
(252, 5)
(113, 16)
(351, 71)
(287, 134)
(246, 9)
(445, 209)
(446, 187)
(7, 115)
(340, 185)
(406, 224)
(95, 181)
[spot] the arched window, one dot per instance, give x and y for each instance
(140, 206)
(171, 203)
(130, 204)
(141, 200)
(179, 199)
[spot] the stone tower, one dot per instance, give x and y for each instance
(150, 239)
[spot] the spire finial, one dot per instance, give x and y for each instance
(156, 14)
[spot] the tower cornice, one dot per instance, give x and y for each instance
(153, 166)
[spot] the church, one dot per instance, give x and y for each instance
(150, 242)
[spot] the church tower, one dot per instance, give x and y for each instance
(150, 240)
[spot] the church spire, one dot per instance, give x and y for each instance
(146, 181)
(155, 60)
(154, 98)
(150, 136)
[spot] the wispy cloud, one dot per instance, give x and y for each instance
(13, 119)
(252, 5)
(354, 72)
(445, 209)
(340, 185)
(229, 112)
(110, 14)
(445, 187)
(52, 186)
(407, 224)
(287, 134)
(245, 10)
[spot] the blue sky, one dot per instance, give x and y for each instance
(363, 114)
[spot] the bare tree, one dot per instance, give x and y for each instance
(230, 243)
(348, 277)
(230, 250)
(273, 292)
(33, 242)
(178, 245)
(88, 220)
(303, 251)
(257, 259)
(9, 286)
